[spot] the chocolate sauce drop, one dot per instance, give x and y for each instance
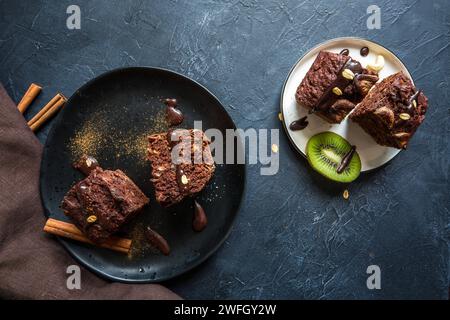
(346, 160)
(353, 65)
(200, 220)
(174, 115)
(157, 241)
(299, 124)
(345, 52)
(364, 51)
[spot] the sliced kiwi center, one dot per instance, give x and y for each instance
(325, 152)
(330, 156)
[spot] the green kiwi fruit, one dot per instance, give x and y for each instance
(325, 152)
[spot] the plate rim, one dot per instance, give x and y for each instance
(67, 243)
(297, 149)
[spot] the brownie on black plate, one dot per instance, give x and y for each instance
(103, 202)
(175, 179)
(392, 111)
(334, 84)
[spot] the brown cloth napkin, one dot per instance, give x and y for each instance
(32, 264)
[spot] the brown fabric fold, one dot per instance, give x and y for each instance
(32, 264)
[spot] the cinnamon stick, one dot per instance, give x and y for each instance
(47, 111)
(28, 97)
(68, 230)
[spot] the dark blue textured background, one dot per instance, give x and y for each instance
(295, 236)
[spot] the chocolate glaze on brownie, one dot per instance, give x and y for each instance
(175, 181)
(392, 111)
(326, 73)
(110, 198)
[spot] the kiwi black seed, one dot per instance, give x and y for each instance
(325, 152)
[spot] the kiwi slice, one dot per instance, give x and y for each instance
(325, 152)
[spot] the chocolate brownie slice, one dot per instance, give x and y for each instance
(185, 174)
(334, 84)
(103, 202)
(392, 111)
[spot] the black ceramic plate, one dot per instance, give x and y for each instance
(109, 117)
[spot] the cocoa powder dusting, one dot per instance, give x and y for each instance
(99, 132)
(89, 138)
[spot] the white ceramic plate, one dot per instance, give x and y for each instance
(372, 155)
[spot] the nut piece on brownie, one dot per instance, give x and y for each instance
(392, 111)
(334, 84)
(189, 171)
(103, 202)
